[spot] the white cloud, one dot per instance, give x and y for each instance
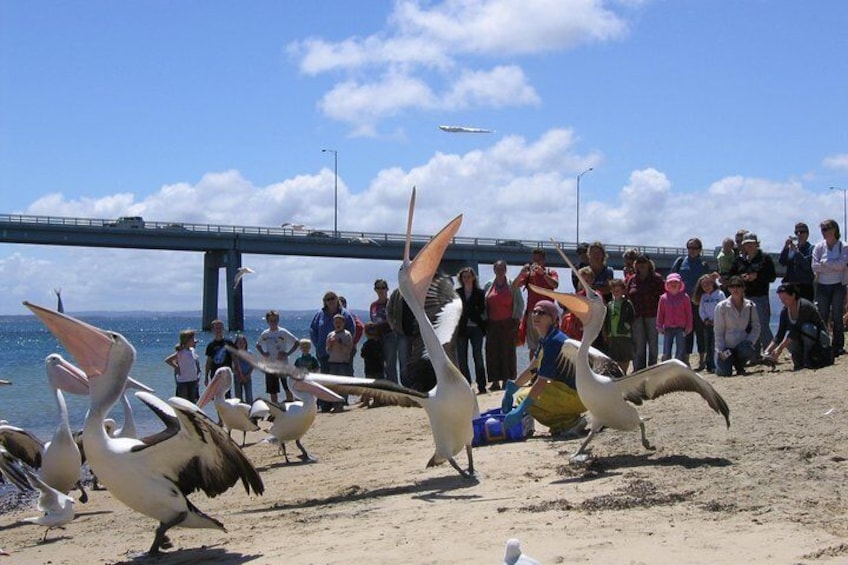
(436, 48)
(514, 189)
(838, 162)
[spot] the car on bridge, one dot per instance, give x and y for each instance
(511, 243)
(128, 222)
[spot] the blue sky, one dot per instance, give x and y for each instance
(698, 117)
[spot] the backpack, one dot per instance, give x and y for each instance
(821, 351)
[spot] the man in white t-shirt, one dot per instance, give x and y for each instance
(277, 344)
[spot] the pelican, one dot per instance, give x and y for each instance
(13, 471)
(152, 475)
(61, 463)
(234, 414)
(291, 419)
(57, 508)
(451, 405)
(242, 271)
(611, 401)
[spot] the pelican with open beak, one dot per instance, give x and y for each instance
(152, 475)
(234, 414)
(611, 402)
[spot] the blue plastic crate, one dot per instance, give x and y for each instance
(489, 428)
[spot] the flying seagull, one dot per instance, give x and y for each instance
(463, 129)
(240, 275)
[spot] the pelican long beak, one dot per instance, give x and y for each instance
(580, 306)
(88, 345)
(138, 385)
(420, 271)
(315, 389)
(220, 383)
(66, 376)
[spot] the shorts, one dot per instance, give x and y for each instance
(272, 383)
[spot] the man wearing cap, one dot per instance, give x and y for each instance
(757, 272)
(552, 397)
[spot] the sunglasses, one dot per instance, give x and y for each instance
(826, 229)
(799, 232)
(691, 247)
(381, 288)
(539, 313)
(330, 299)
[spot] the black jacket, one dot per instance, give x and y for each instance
(474, 309)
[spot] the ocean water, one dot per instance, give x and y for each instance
(25, 342)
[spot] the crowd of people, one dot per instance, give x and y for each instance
(715, 307)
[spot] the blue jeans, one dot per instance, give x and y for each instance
(390, 356)
(244, 391)
(676, 337)
(474, 335)
(645, 342)
(830, 299)
(709, 347)
(764, 314)
(739, 357)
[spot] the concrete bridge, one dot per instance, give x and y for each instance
(224, 245)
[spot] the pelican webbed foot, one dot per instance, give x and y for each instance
(645, 442)
(83, 495)
(304, 456)
(161, 540)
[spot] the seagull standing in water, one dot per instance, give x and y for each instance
(611, 402)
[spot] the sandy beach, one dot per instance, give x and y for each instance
(770, 490)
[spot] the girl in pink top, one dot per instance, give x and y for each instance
(674, 318)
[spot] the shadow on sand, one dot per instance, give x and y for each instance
(436, 488)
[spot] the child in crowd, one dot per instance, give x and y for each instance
(339, 347)
(674, 318)
(618, 326)
(707, 296)
(725, 257)
(306, 361)
(242, 370)
(186, 365)
(276, 343)
(372, 354)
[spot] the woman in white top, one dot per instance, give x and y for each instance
(830, 257)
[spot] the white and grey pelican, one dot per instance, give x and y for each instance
(234, 414)
(61, 463)
(12, 470)
(152, 475)
(56, 507)
(610, 402)
(291, 419)
(58, 461)
(451, 405)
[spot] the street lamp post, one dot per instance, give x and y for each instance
(844, 207)
(335, 189)
(579, 175)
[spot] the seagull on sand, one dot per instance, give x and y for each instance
(240, 275)
(514, 556)
(610, 402)
(57, 508)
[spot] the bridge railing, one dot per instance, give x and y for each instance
(366, 238)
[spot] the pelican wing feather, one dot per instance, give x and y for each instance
(667, 377)
(209, 460)
(13, 470)
(22, 445)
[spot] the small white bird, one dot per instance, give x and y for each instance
(2, 382)
(463, 129)
(240, 275)
(513, 555)
(296, 227)
(57, 508)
